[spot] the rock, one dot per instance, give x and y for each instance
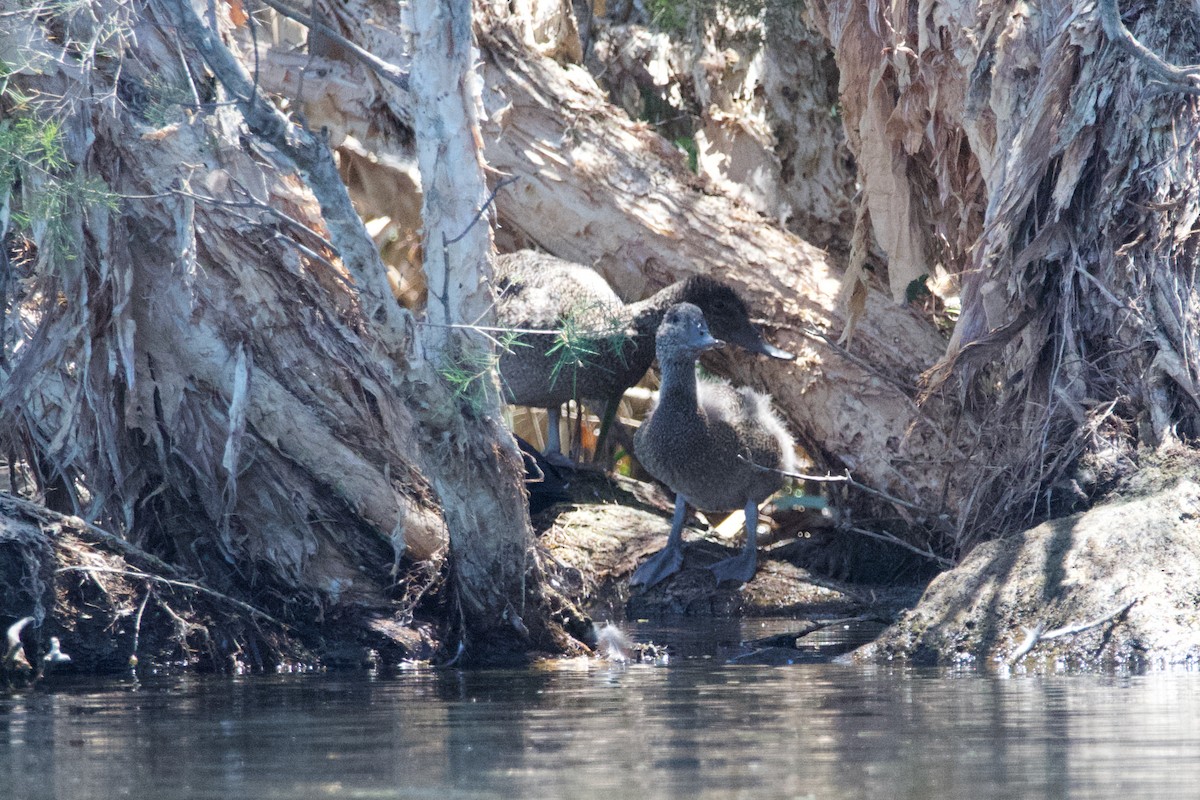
(1118, 585)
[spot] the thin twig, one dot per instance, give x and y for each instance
(195, 587)
(316, 258)
(126, 548)
(258, 205)
(1039, 634)
(797, 475)
(312, 157)
(847, 479)
(883, 537)
(1083, 626)
(892, 539)
(183, 626)
(496, 329)
(866, 366)
(1033, 636)
(444, 295)
(871, 369)
(891, 498)
(486, 203)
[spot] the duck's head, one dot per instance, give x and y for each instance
(728, 316)
(684, 334)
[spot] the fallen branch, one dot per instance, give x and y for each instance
(1039, 634)
(383, 69)
(800, 476)
(1073, 629)
(896, 540)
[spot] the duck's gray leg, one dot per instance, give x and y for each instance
(610, 416)
(665, 562)
(553, 445)
(740, 568)
(554, 453)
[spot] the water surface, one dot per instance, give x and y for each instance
(697, 728)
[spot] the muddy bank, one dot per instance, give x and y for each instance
(597, 544)
(1116, 586)
(113, 605)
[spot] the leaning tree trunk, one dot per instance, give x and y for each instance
(181, 355)
(203, 358)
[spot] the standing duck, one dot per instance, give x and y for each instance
(614, 341)
(709, 443)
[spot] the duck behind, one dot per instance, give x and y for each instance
(536, 291)
(715, 446)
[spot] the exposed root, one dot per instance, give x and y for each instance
(193, 587)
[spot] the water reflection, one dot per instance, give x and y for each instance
(699, 728)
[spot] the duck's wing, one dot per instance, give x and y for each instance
(724, 412)
(741, 421)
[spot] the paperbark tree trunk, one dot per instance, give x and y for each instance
(1046, 163)
(478, 476)
(211, 363)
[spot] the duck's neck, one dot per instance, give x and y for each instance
(678, 389)
(643, 318)
(646, 315)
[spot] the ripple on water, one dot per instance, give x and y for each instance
(699, 728)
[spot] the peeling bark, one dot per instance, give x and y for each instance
(478, 475)
(217, 369)
(1058, 182)
(267, 418)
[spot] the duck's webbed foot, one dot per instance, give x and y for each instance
(659, 567)
(739, 568)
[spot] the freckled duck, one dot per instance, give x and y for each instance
(691, 442)
(541, 292)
